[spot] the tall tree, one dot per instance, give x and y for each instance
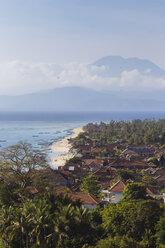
(18, 165)
(90, 185)
(134, 191)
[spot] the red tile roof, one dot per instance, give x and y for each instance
(127, 163)
(159, 171)
(97, 161)
(85, 198)
(118, 187)
(105, 184)
(61, 189)
(95, 150)
(149, 192)
(100, 171)
(32, 191)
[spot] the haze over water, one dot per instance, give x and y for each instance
(44, 129)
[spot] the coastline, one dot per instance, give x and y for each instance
(63, 147)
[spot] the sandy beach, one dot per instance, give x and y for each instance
(63, 147)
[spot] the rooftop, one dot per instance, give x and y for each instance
(118, 187)
(85, 198)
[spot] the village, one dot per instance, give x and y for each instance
(113, 165)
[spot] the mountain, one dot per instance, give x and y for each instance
(59, 99)
(115, 65)
(77, 99)
(85, 99)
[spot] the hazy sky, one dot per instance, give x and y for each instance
(65, 31)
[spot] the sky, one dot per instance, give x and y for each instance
(44, 40)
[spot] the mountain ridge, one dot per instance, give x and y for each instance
(74, 98)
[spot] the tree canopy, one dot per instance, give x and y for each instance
(90, 185)
(19, 165)
(128, 132)
(134, 191)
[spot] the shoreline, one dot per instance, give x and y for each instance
(63, 147)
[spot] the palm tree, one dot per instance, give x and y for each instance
(63, 224)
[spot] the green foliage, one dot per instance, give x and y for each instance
(118, 152)
(74, 161)
(162, 138)
(160, 234)
(118, 242)
(134, 219)
(125, 174)
(2, 245)
(135, 132)
(90, 185)
(134, 191)
(46, 222)
(148, 179)
(55, 221)
(80, 139)
(19, 164)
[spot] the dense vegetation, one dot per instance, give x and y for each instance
(56, 221)
(90, 185)
(47, 220)
(135, 132)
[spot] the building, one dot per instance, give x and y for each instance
(115, 193)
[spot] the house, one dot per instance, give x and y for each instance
(93, 164)
(61, 189)
(159, 175)
(132, 156)
(53, 177)
(88, 201)
(85, 152)
(102, 175)
(158, 172)
(154, 191)
(76, 187)
(74, 172)
(160, 179)
(106, 195)
(95, 151)
(129, 164)
(105, 185)
(140, 151)
(115, 193)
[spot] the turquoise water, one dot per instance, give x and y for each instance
(40, 134)
(44, 129)
(37, 133)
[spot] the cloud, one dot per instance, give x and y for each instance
(20, 77)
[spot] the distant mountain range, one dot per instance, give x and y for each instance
(77, 99)
(84, 99)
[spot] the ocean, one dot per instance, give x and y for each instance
(44, 129)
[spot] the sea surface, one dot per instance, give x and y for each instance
(44, 129)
